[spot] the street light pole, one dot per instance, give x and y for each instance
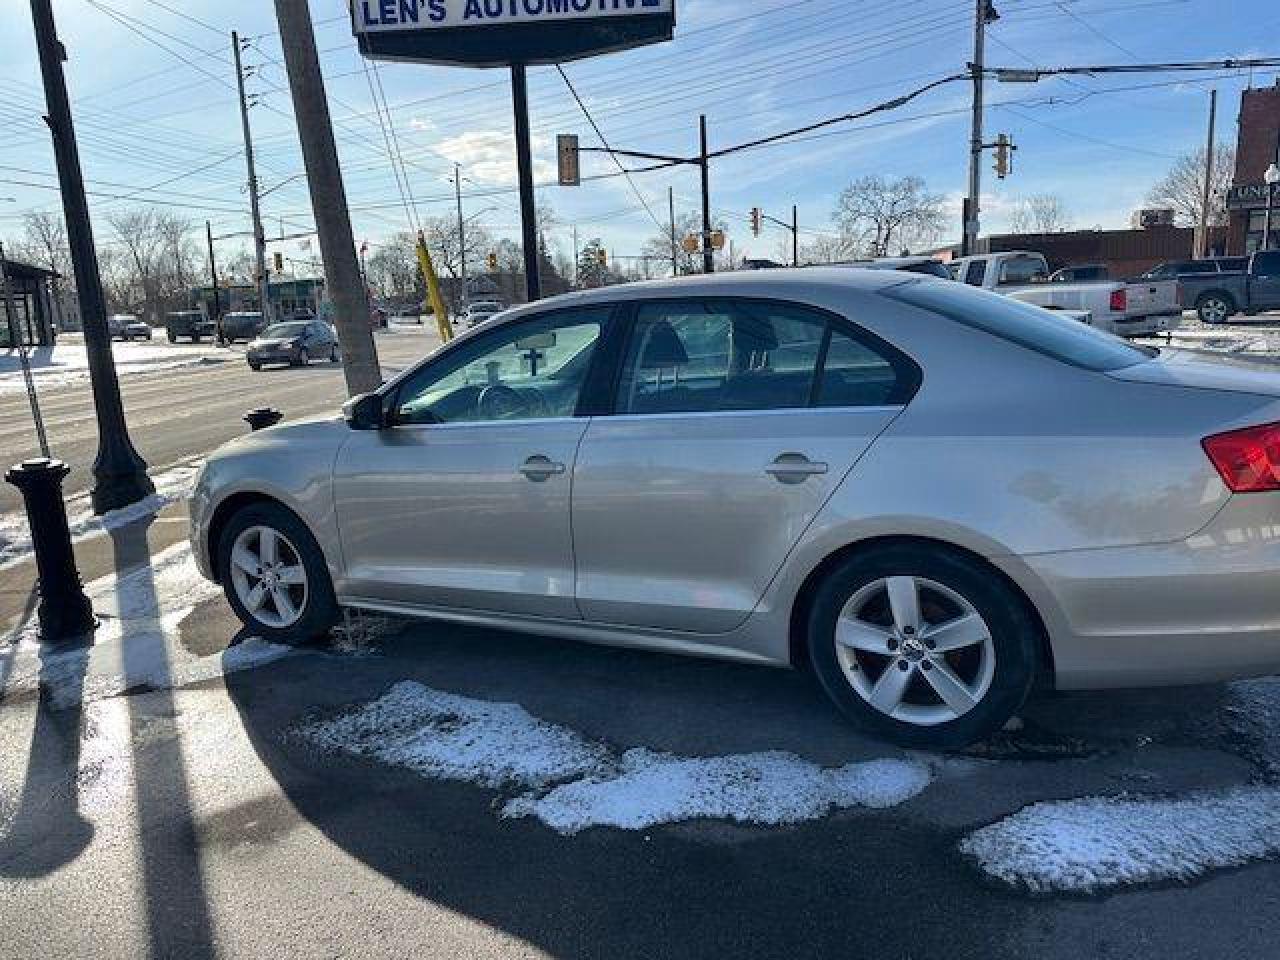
(984, 14)
(119, 473)
(462, 234)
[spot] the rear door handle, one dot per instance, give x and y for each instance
(794, 468)
(540, 468)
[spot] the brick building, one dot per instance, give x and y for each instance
(1257, 148)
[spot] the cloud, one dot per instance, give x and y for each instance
(489, 156)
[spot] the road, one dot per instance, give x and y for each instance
(176, 414)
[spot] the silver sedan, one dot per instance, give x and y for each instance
(931, 496)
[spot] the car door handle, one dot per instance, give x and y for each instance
(541, 468)
(794, 468)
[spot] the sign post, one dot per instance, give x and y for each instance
(510, 33)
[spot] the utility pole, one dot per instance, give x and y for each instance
(259, 235)
(984, 14)
(119, 473)
(328, 197)
(795, 236)
(708, 253)
(576, 275)
(524, 163)
(1202, 237)
(462, 233)
(675, 248)
(213, 279)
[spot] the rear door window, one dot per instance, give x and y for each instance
(975, 273)
(1267, 264)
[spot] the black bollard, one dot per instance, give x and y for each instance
(262, 418)
(65, 612)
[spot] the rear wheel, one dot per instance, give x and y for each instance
(922, 645)
(1214, 308)
(255, 366)
(275, 575)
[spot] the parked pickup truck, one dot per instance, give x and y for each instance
(188, 323)
(1218, 295)
(1125, 308)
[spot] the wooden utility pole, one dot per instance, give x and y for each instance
(255, 208)
(1202, 234)
(328, 198)
(983, 15)
(708, 252)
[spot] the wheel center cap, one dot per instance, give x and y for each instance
(913, 650)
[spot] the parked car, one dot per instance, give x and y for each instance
(125, 326)
(920, 491)
(192, 324)
(294, 343)
(1220, 294)
(1083, 273)
(242, 325)
(1178, 269)
(1128, 309)
(482, 311)
(929, 266)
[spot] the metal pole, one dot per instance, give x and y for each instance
(120, 475)
(528, 203)
(708, 254)
(255, 209)
(462, 234)
(1202, 242)
(577, 278)
(973, 206)
(213, 279)
(795, 236)
(21, 343)
(328, 198)
(675, 248)
(1271, 202)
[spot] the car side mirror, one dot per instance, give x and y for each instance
(364, 412)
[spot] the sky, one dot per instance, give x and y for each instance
(153, 94)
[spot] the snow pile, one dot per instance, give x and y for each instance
(135, 645)
(68, 364)
(171, 485)
(650, 788)
(1096, 844)
(1253, 715)
(450, 737)
(446, 736)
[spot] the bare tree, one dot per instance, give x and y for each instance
(658, 245)
(1182, 188)
(883, 216)
(160, 261)
(1041, 213)
(392, 269)
(827, 248)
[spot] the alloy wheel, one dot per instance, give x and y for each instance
(269, 577)
(1214, 310)
(915, 650)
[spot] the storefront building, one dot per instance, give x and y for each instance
(27, 314)
(1258, 147)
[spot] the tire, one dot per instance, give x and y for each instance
(254, 366)
(304, 358)
(195, 338)
(173, 337)
(1215, 308)
(333, 354)
(995, 665)
(310, 609)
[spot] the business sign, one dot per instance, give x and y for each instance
(492, 33)
(1249, 196)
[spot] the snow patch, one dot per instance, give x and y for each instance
(171, 485)
(136, 644)
(765, 788)
(1097, 844)
(579, 783)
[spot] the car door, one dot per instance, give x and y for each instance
(1264, 284)
(734, 421)
(462, 500)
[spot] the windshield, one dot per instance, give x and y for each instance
(281, 331)
(1025, 325)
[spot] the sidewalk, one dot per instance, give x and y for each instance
(68, 363)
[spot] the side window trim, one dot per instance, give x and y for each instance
(909, 375)
(391, 396)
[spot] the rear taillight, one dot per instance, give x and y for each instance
(1249, 459)
(1119, 300)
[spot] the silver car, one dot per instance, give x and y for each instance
(931, 496)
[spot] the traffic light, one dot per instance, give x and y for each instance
(757, 220)
(1004, 155)
(493, 263)
(278, 260)
(603, 256)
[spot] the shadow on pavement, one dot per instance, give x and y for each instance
(172, 883)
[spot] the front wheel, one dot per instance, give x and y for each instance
(275, 575)
(173, 337)
(304, 358)
(333, 354)
(1214, 308)
(922, 645)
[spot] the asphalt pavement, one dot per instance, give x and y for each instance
(176, 413)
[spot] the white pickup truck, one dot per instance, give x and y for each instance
(1127, 309)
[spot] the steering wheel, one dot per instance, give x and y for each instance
(499, 402)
